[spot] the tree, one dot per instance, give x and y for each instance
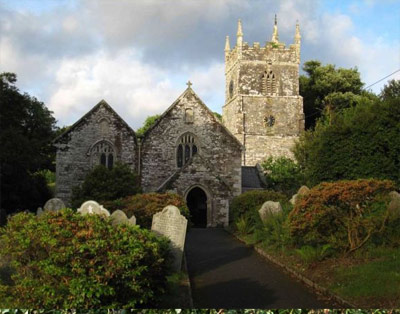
(148, 123)
(328, 88)
(27, 128)
(359, 142)
(391, 90)
(103, 184)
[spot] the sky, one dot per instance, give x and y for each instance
(138, 55)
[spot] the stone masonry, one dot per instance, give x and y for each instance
(263, 108)
(215, 167)
(100, 135)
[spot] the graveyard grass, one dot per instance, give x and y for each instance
(370, 278)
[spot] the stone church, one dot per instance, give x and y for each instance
(188, 150)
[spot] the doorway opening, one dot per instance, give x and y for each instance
(196, 201)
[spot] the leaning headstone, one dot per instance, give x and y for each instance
(54, 204)
(132, 220)
(269, 208)
(394, 205)
(92, 207)
(170, 223)
(118, 217)
(302, 191)
(39, 212)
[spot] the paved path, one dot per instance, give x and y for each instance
(224, 273)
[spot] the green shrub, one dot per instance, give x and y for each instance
(283, 174)
(144, 206)
(344, 214)
(274, 231)
(103, 184)
(243, 227)
(248, 204)
(66, 260)
(310, 254)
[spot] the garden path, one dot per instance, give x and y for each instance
(225, 273)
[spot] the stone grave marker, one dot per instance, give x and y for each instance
(118, 217)
(170, 223)
(39, 212)
(269, 208)
(92, 207)
(303, 190)
(132, 220)
(54, 204)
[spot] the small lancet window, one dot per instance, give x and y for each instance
(103, 159)
(186, 149)
(110, 162)
(231, 89)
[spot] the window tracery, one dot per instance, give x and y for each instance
(186, 149)
(102, 153)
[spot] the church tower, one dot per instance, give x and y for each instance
(263, 108)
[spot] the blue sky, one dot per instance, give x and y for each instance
(137, 55)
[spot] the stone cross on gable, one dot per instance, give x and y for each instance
(189, 84)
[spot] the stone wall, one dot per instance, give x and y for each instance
(216, 148)
(100, 128)
(263, 108)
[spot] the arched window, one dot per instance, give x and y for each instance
(102, 153)
(186, 149)
(270, 83)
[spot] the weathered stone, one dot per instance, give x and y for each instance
(215, 167)
(132, 220)
(394, 205)
(92, 207)
(118, 217)
(263, 107)
(99, 132)
(39, 212)
(170, 223)
(302, 191)
(269, 208)
(54, 204)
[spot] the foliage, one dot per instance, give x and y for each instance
(148, 123)
(328, 87)
(283, 175)
(391, 90)
(103, 184)
(66, 260)
(144, 206)
(247, 204)
(274, 231)
(243, 226)
(310, 254)
(360, 142)
(27, 128)
(218, 116)
(344, 214)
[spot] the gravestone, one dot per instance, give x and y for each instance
(54, 204)
(118, 217)
(39, 212)
(92, 207)
(302, 191)
(269, 208)
(394, 205)
(170, 223)
(132, 220)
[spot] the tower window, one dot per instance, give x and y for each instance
(231, 89)
(270, 83)
(186, 149)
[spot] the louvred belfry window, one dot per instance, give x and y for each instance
(186, 149)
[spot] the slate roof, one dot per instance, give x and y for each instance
(251, 179)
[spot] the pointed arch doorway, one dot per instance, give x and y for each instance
(196, 201)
